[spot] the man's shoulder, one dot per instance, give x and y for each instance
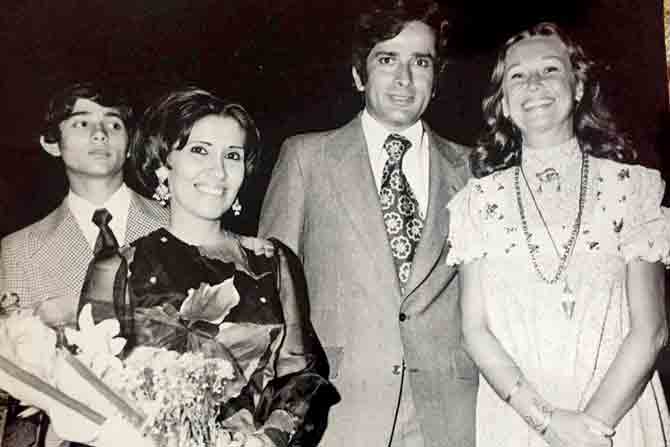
(457, 154)
(313, 141)
(33, 234)
(150, 208)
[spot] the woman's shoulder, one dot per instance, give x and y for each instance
(624, 173)
(282, 258)
(626, 184)
(483, 191)
(495, 181)
(156, 237)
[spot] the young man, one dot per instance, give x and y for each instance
(88, 127)
(364, 206)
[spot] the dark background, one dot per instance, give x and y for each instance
(287, 61)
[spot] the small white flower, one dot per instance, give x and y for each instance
(98, 343)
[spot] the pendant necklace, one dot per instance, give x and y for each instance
(567, 295)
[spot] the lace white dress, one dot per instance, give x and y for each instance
(564, 358)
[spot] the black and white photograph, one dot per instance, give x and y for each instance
(398, 223)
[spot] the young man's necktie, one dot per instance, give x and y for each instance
(106, 275)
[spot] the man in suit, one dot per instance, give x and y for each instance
(88, 127)
(364, 206)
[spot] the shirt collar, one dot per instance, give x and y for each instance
(376, 133)
(117, 204)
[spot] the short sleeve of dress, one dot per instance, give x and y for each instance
(645, 227)
(465, 237)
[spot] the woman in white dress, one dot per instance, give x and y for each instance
(561, 241)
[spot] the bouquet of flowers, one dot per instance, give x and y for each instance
(181, 394)
(162, 396)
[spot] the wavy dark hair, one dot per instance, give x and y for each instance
(384, 22)
(166, 126)
(62, 103)
(596, 132)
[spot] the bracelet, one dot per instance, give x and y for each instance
(515, 388)
(545, 423)
(539, 416)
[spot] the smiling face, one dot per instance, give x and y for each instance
(206, 174)
(400, 76)
(539, 90)
(93, 141)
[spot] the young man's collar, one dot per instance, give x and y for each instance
(118, 204)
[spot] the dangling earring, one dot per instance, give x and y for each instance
(579, 92)
(162, 191)
(237, 207)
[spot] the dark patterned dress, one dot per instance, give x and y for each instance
(266, 335)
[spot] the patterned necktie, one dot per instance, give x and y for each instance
(400, 208)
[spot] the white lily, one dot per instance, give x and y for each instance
(98, 343)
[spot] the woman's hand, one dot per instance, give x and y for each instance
(577, 429)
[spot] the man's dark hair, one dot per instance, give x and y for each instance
(62, 103)
(384, 22)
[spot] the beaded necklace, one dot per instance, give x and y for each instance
(568, 297)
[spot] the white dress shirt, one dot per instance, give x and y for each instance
(415, 163)
(118, 205)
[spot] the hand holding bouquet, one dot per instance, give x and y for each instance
(154, 395)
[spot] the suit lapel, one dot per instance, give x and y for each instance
(142, 219)
(444, 183)
(64, 254)
(358, 198)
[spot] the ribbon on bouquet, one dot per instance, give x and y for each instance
(38, 386)
(129, 412)
(35, 383)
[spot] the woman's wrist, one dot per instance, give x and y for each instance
(515, 388)
(536, 411)
(543, 417)
(599, 426)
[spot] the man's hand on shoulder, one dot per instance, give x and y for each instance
(258, 246)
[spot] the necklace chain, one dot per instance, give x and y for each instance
(572, 241)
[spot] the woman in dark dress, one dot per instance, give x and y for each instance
(194, 151)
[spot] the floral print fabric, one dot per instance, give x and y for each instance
(564, 358)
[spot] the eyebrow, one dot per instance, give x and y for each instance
(428, 55)
(111, 113)
(232, 146)
(395, 53)
(558, 58)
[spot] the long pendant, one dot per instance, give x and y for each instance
(568, 301)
